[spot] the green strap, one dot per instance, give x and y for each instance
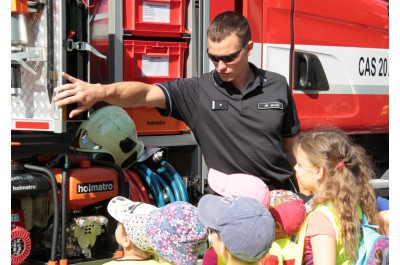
(300, 241)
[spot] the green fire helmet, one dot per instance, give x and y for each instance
(110, 130)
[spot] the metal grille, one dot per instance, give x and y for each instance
(33, 104)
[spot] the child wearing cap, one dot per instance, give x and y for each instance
(242, 185)
(287, 208)
(173, 233)
(241, 229)
(130, 233)
(176, 233)
(289, 212)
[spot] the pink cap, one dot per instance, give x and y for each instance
(242, 185)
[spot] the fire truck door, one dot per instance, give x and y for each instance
(339, 63)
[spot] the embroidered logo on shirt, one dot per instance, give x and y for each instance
(270, 105)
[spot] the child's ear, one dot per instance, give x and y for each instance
(278, 226)
(320, 173)
(126, 241)
(279, 232)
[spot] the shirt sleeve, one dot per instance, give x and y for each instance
(319, 224)
(291, 122)
(182, 97)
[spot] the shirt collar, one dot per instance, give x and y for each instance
(258, 73)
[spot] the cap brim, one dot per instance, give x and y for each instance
(242, 185)
(217, 181)
(119, 207)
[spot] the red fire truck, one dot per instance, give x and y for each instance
(333, 53)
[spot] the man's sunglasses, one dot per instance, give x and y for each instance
(225, 58)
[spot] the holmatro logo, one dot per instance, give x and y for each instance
(95, 187)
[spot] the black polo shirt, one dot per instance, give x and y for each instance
(238, 133)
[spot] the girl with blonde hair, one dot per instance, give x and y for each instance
(338, 171)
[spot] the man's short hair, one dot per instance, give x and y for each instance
(224, 24)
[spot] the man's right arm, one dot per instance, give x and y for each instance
(123, 94)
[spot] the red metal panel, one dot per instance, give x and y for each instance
(32, 125)
(252, 10)
(352, 113)
(219, 6)
(356, 23)
(276, 21)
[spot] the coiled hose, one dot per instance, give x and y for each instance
(171, 182)
(152, 181)
(136, 179)
(177, 178)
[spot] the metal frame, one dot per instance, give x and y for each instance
(193, 64)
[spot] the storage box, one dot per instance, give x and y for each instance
(156, 18)
(149, 122)
(154, 62)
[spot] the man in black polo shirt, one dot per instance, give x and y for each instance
(243, 118)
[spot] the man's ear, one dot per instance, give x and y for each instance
(249, 47)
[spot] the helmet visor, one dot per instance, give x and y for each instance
(84, 142)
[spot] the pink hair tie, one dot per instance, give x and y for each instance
(340, 164)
